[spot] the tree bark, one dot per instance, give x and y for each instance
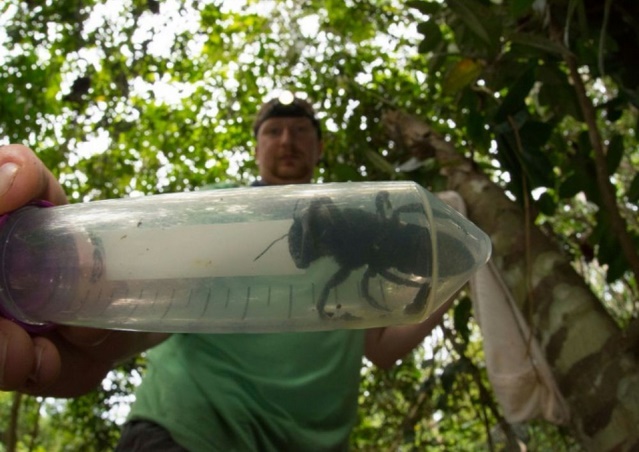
(593, 361)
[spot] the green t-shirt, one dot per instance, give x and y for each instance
(292, 391)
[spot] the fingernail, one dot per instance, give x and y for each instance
(7, 175)
(4, 344)
(33, 376)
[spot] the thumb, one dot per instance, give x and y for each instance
(23, 178)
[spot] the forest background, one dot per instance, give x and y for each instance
(534, 101)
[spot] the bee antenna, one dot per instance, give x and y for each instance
(270, 246)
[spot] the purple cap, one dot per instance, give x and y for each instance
(29, 327)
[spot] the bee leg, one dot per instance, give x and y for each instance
(338, 278)
(365, 293)
(419, 302)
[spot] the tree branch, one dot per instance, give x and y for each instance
(608, 200)
(11, 434)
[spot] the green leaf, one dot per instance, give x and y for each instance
(535, 134)
(615, 108)
(424, 7)
(633, 190)
(514, 102)
(547, 204)
(432, 36)
(380, 163)
(557, 93)
(462, 74)
(537, 166)
(476, 129)
(520, 7)
(461, 316)
(346, 172)
(608, 248)
(538, 42)
(449, 375)
(463, 9)
(572, 185)
(609, 253)
(615, 153)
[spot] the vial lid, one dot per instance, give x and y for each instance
(4, 312)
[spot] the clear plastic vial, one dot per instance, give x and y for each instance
(258, 259)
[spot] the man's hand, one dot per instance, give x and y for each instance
(384, 346)
(24, 178)
(68, 361)
(25, 362)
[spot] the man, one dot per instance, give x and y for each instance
(294, 391)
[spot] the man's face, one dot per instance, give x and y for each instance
(287, 150)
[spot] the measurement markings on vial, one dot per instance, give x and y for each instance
(246, 305)
(111, 298)
(170, 303)
(98, 298)
(132, 313)
(140, 297)
(155, 298)
(206, 303)
(108, 300)
(133, 309)
(290, 301)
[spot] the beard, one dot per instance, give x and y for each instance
(293, 167)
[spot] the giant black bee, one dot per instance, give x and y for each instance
(357, 238)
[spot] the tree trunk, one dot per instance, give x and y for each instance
(11, 434)
(594, 362)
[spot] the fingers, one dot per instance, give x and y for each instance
(84, 337)
(67, 362)
(34, 364)
(24, 178)
(26, 364)
(46, 368)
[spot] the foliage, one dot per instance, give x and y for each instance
(422, 402)
(512, 92)
(88, 423)
(139, 97)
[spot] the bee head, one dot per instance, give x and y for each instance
(302, 240)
